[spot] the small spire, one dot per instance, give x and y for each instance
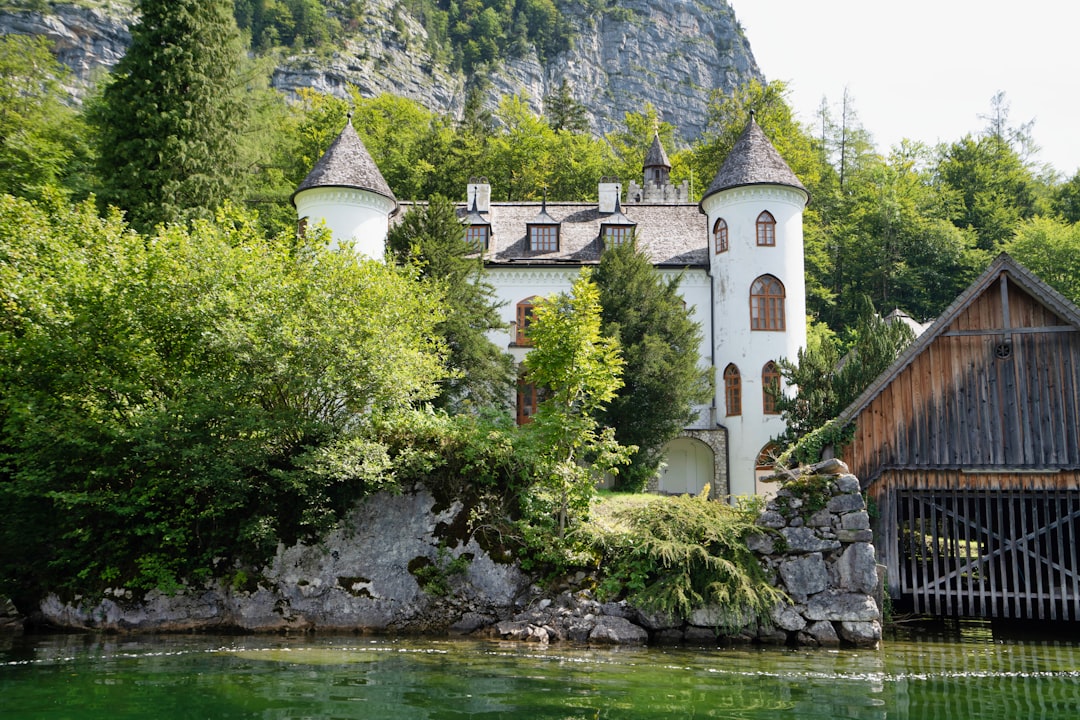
(543, 206)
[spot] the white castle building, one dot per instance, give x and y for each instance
(739, 251)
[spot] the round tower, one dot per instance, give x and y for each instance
(755, 206)
(346, 191)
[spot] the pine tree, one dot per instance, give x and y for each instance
(432, 238)
(660, 342)
(169, 121)
(564, 112)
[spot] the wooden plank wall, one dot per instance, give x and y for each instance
(958, 405)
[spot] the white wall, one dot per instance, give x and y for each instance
(353, 214)
(734, 271)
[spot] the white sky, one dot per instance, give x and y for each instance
(926, 69)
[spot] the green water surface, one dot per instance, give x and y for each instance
(89, 677)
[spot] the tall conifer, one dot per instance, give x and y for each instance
(660, 342)
(169, 121)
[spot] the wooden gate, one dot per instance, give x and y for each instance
(986, 552)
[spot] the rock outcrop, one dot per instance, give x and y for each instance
(672, 54)
(369, 574)
(400, 563)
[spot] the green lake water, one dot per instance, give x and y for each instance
(971, 673)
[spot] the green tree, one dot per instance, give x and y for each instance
(993, 188)
(1051, 250)
(564, 112)
(662, 377)
(169, 121)
(579, 368)
(431, 238)
(200, 393)
(43, 141)
(829, 376)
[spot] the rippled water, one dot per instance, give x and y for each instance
(972, 675)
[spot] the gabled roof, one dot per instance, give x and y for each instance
(656, 157)
(1002, 264)
(346, 163)
(753, 161)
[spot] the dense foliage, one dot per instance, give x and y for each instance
(674, 555)
(169, 123)
(43, 141)
(663, 378)
(173, 399)
(431, 238)
(579, 369)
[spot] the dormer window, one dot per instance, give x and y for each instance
(477, 228)
(543, 231)
(616, 228)
(615, 235)
(478, 237)
(544, 238)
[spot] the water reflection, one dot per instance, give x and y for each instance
(973, 673)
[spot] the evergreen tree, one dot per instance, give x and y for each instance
(432, 238)
(827, 379)
(660, 341)
(564, 112)
(169, 121)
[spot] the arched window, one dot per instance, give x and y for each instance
(766, 459)
(770, 387)
(524, 318)
(733, 390)
(719, 233)
(766, 229)
(767, 304)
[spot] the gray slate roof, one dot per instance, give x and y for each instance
(656, 155)
(346, 163)
(753, 161)
(671, 235)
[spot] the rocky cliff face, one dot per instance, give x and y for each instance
(672, 54)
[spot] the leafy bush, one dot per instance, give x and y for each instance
(673, 555)
(173, 400)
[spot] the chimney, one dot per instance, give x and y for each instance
(610, 191)
(479, 195)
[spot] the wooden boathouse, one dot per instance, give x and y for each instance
(969, 445)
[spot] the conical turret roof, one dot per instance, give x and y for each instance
(656, 157)
(347, 163)
(753, 161)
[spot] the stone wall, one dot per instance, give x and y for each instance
(819, 550)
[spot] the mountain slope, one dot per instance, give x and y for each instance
(671, 53)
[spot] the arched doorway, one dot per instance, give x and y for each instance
(689, 467)
(765, 468)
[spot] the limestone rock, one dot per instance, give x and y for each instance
(836, 605)
(861, 634)
(806, 540)
(804, 576)
(788, 618)
(857, 569)
(672, 54)
(617, 631)
(824, 634)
